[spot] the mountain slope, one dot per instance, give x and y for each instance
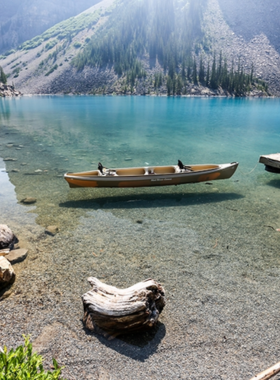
(244, 29)
(153, 46)
(21, 20)
(38, 62)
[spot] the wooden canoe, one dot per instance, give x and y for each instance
(150, 175)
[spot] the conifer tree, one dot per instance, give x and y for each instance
(194, 76)
(189, 68)
(207, 81)
(219, 74)
(184, 69)
(169, 86)
(201, 74)
(213, 80)
(252, 73)
(3, 77)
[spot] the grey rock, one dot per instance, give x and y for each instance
(17, 255)
(7, 237)
(7, 274)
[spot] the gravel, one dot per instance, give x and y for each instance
(221, 320)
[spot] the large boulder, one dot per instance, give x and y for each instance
(7, 274)
(7, 237)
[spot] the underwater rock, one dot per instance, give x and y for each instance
(17, 255)
(52, 230)
(29, 200)
(7, 274)
(9, 159)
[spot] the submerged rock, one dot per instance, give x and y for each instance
(7, 273)
(29, 200)
(9, 159)
(17, 255)
(52, 230)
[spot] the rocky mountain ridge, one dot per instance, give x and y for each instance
(44, 64)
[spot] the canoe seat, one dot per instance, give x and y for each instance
(130, 171)
(164, 170)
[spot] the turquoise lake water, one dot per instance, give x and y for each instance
(51, 135)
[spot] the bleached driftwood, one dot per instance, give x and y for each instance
(111, 311)
(268, 373)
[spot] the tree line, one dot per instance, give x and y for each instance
(163, 32)
(233, 79)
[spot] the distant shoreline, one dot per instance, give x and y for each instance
(157, 96)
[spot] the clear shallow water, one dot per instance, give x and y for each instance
(214, 247)
(49, 136)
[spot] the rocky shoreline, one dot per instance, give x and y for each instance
(10, 253)
(7, 90)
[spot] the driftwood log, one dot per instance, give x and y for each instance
(111, 311)
(268, 373)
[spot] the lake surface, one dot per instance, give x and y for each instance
(221, 233)
(53, 135)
